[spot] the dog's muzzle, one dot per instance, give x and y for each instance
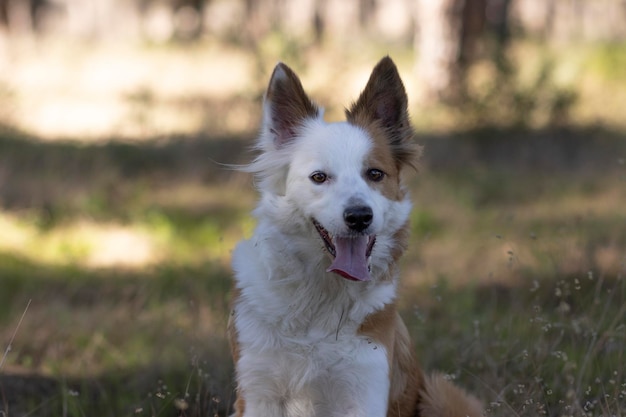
(350, 253)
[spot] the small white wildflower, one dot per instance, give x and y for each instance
(181, 404)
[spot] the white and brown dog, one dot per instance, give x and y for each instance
(314, 329)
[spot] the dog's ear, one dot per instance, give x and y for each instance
(383, 105)
(286, 106)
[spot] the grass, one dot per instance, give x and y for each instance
(514, 284)
(543, 348)
(100, 335)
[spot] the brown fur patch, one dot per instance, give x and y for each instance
(407, 379)
(233, 341)
(401, 242)
(387, 328)
(379, 327)
(382, 158)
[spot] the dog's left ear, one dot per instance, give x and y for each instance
(383, 105)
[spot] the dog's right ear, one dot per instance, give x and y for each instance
(286, 107)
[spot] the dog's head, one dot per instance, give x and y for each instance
(339, 184)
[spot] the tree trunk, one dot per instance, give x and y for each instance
(438, 36)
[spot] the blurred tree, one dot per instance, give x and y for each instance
(437, 42)
(23, 16)
(186, 17)
(261, 17)
(450, 35)
(497, 17)
(319, 21)
(189, 18)
(4, 13)
(367, 10)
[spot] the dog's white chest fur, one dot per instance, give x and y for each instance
(300, 352)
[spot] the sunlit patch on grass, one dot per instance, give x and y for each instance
(15, 232)
(83, 243)
(119, 246)
(154, 239)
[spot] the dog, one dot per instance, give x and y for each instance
(314, 329)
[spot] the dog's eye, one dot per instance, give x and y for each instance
(318, 177)
(375, 175)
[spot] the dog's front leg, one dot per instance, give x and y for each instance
(358, 385)
(273, 383)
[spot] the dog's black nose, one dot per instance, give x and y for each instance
(358, 218)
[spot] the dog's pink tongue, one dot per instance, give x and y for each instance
(350, 258)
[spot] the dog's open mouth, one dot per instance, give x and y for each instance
(350, 253)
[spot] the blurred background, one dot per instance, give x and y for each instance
(118, 217)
